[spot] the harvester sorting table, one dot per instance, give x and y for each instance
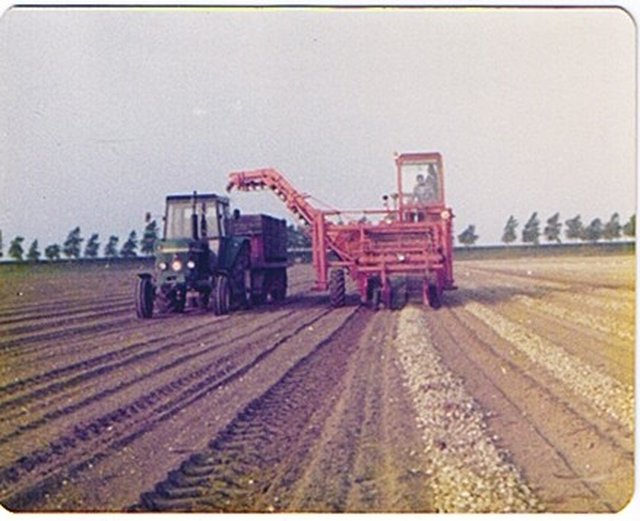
(410, 236)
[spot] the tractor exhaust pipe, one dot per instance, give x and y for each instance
(194, 217)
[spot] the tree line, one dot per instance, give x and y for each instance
(574, 230)
(72, 248)
(531, 233)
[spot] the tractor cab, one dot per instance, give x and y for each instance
(420, 186)
(196, 217)
(186, 257)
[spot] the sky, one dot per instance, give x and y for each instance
(103, 112)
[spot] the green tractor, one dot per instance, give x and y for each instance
(208, 258)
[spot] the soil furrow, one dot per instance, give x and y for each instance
(549, 439)
(237, 471)
(118, 426)
(106, 363)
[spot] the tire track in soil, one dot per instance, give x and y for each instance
(27, 326)
(16, 346)
(88, 443)
(63, 310)
(307, 443)
(135, 350)
(52, 353)
(28, 382)
(49, 308)
(97, 395)
(112, 360)
(553, 442)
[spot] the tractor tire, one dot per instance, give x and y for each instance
(241, 279)
(259, 290)
(337, 288)
(144, 297)
(222, 295)
(278, 289)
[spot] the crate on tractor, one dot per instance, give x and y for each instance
(208, 258)
(410, 237)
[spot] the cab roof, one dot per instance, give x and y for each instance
(199, 197)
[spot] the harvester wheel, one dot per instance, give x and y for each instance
(432, 294)
(337, 289)
(374, 292)
(221, 295)
(144, 297)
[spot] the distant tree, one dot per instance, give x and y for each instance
(33, 255)
(129, 247)
(613, 229)
(52, 252)
(1, 245)
(468, 237)
(509, 235)
(71, 247)
(92, 246)
(16, 251)
(531, 229)
(111, 249)
(574, 228)
(552, 229)
(149, 238)
(593, 232)
(629, 229)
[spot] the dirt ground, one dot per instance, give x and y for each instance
(517, 395)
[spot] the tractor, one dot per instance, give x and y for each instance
(208, 257)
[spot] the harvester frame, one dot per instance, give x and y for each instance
(411, 236)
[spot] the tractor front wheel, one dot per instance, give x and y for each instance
(221, 295)
(337, 288)
(144, 297)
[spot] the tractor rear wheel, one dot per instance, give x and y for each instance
(144, 297)
(278, 289)
(221, 295)
(337, 288)
(241, 279)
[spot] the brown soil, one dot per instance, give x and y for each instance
(516, 395)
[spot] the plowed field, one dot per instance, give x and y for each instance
(517, 395)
